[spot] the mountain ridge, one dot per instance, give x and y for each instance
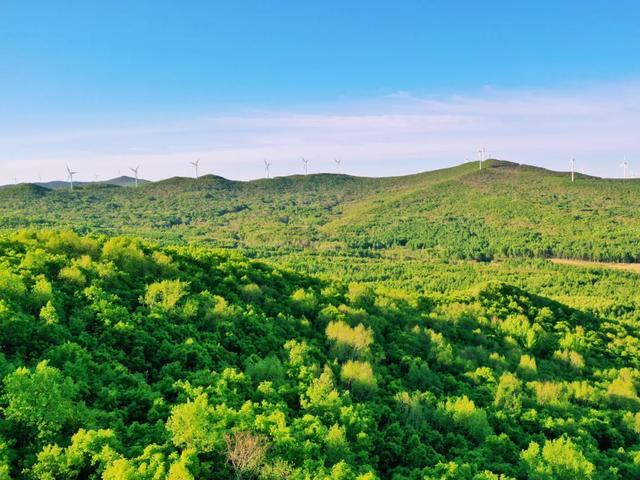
(125, 180)
(503, 210)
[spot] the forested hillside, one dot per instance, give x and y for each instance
(122, 359)
(503, 211)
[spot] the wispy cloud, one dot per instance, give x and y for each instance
(395, 134)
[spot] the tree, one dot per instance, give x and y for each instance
(509, 393)
(165, 295)
(464, 412)
(190, 425)
(350, 342)
(42, 399)
(245, 452)
(559, 459)
(359, 376)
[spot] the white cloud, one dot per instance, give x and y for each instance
(396, 134)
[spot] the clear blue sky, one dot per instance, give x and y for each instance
(79, 64)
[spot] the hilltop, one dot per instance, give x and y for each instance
(504, 210)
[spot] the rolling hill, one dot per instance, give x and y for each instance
(122, 181)
(505, 210)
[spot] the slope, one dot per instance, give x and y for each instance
(504, 210)
(124, 360)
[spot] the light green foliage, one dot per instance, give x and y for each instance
(464, 412)
(278, 470)
(558, 460)
(550, 393)
(632, 421)
(322, 396)
(412, 407)
(305, 301)
(151, 465)
(72, 274)
(622, 390)
(251, 292)
(87, 449)
(349, 341)
(144, 365)
(4, 461)
(528, 368)
(42, 290)
(48, 313)
(179, 470)
(572, 358)
(165, 295)
(190, 426)
(41, 399)
(336, 444)
(509, 393)
(359, 377)
(11, 285)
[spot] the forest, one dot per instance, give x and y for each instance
(505, 210)
(321, 327)
(125, 359)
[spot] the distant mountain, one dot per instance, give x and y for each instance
(504, 210)
(122, 181)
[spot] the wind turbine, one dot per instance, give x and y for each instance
(338, 162)
(266, 167)
(306, 164)
(481, 154)
(135, 173)
(70, 175)
(625, 166)
(195, 164)
(572, 162)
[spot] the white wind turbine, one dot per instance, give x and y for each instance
(196, 164)
(135, 173)
(338, 162)
(266, 167)
(70, 175)
(306, 165)
(481, 155)
(625, 166)
(572, 163)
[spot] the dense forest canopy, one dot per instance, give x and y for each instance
(123, 359)
(505, 210)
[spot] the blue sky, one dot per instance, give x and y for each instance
(389, 87)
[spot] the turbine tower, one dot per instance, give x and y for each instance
(572, 162)
(266, 167)
(481, 154)
(338, 162)
(70, 175)
(625, 166)
(135, 173)
(195, 164)
(306, 165)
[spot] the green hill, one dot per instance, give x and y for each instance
(124, 360)
(505, 210)
(122, 181)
